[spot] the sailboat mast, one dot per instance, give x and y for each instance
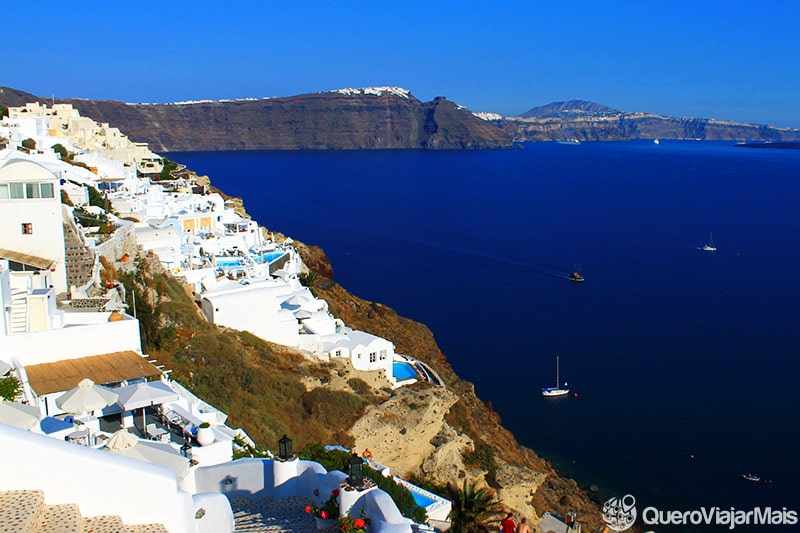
(558, 375)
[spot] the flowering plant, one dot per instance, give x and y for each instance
(349, 524)
(329, 509)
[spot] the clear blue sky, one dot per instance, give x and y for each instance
(736, 60)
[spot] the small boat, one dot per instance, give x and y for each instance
(656, 141)
(556, 391)
(568, 141)
(710, 246)
(751, 477)
(575, 276)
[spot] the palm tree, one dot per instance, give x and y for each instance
(474, 509)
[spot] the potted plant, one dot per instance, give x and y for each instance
(350, 524)
(205, 435)
(326, 515)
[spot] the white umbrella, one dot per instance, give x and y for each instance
(86, 397)
(157, 453)
(143, 395)
(121, 440)
(4, 368)
(18, 415)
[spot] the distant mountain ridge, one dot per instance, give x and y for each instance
(369, 118)
(590, 121)
(568, 109)
(384, 118)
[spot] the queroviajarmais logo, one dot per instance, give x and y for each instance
(620, 513)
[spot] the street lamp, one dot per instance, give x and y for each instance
(285, 448)
(356, 478)
(186, 450)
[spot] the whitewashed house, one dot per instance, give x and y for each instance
(31, 220)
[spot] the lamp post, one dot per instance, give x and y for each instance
(186, 451)
(285, 448)
(356, 464)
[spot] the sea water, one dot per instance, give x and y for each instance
(683, 364)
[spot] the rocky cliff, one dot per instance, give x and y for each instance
(446, 433)
(588, 121)
(377, 118)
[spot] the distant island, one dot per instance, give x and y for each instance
(385, 118)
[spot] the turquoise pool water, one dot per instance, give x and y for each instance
(422, 500)
(227, 263)
(403, 371)
(268, 257)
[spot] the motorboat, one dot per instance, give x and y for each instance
(575, 276)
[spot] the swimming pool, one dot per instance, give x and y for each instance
(422, 500)
(268, 257)
(402, 371)
(226, 262)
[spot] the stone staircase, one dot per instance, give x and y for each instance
(19, 311)
(24, 511)
(78, 258)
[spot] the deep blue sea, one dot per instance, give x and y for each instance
(685, 363)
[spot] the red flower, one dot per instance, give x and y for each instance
(358, 522)
(308, 508)
(324, 514)
(335, 492)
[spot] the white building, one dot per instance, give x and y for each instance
(31, 221)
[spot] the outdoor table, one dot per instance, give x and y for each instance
(78, 437)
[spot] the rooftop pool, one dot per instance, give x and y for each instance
(403, 371)
(268, 257)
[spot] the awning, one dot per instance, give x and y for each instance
(61, 376)
(29, 260)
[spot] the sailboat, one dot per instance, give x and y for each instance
(556, 391)
(710, 246)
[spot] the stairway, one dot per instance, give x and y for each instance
(24, 511)
(79, 259)
(19, 311)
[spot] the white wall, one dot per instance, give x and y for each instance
(47, 239)
(74, 342)
(100, 483)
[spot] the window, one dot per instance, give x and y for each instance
(383, 355)
(337, 353)
(46, 190)
(31, 190)
(16, 190)
(4, 191)
(372, 357)
(27, 228)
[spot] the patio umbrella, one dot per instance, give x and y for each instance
(156, 453)
(4, 368)
(143, 395)
(18, 415)
(122, 440)
(85, 398)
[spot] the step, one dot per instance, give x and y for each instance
(65, 518)
(19, 509)
(146, 528)
(103, 524)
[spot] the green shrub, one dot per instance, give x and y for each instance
(338, 408)
(9, 388)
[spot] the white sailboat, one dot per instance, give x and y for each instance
(557, 390)
(710, 246)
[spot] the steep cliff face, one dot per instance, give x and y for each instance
(588, 121)
(382, 118)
